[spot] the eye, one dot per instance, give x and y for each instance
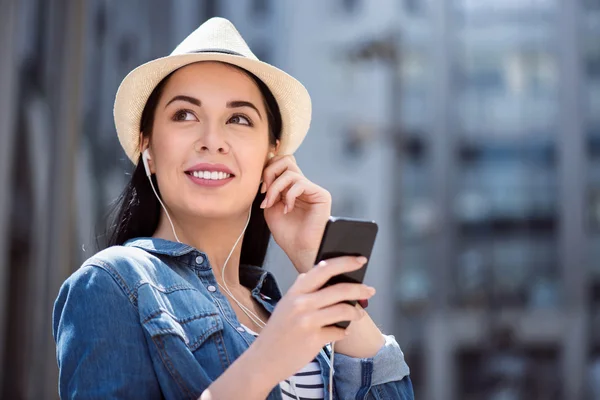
(240, 119)
(184, 115)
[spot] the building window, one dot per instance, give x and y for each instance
(211, 8)
(262, 52)
(260, 8)
(349, 6)
(591, 4)
(592, 66)
(414, 7)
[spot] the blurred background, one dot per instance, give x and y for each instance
(468, 129)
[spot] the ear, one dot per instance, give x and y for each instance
(272, 153)
(145, 145)
(273, 150)
(144, 142)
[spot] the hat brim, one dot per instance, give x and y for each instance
(133, 93)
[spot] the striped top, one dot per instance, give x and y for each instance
(306, 384)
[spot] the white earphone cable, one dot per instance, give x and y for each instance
(331, 371)
(164, 208)
(255, 318)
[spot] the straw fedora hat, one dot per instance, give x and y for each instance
(215, 40)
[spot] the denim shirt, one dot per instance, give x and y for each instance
(147, 320)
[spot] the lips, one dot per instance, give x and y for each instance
(210, 175)
(210, 171)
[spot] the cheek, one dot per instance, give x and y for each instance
(167, 167)
(172, 144)
(253, 173)
(173, 148)
(251, 159)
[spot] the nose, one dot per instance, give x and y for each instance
(212, 140)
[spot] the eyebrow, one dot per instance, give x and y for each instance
(188, 99)
(242, 103)
(198, 103)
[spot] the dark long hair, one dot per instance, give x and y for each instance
(136, 211)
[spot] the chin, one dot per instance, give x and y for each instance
(206, 208)
(221, 203)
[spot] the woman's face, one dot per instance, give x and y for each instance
(210, 141)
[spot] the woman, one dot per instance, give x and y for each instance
(178, 306)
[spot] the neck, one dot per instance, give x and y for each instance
(213, 236)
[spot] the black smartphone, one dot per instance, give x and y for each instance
(347, 237)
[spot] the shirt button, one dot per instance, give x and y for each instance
(199, 260)
(211, 288)
(241, 329)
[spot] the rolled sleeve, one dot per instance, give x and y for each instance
(355, 377)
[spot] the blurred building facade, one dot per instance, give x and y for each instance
(497, 273)
(468, 129)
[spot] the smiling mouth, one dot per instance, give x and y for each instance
(210, 175)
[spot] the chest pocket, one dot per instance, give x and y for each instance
(193, 330)
(185, 332)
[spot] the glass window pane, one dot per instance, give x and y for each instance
(506, 81)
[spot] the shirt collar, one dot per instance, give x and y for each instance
(251, 276)
(262, 281)
(160, 246)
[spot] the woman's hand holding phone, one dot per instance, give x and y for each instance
(301, 322)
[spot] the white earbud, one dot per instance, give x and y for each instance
(145, 158)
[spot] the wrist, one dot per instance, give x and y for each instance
(245, 378)
(304, 260)
(259, 368)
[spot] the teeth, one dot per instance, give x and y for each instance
(213, 175)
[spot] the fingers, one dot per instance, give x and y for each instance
(277, 188)
(337, 313)
(284, 180)
(306, 188)
(296, 190)
(314, 279)
(277, 166)
(339, 292)
(332, 334)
